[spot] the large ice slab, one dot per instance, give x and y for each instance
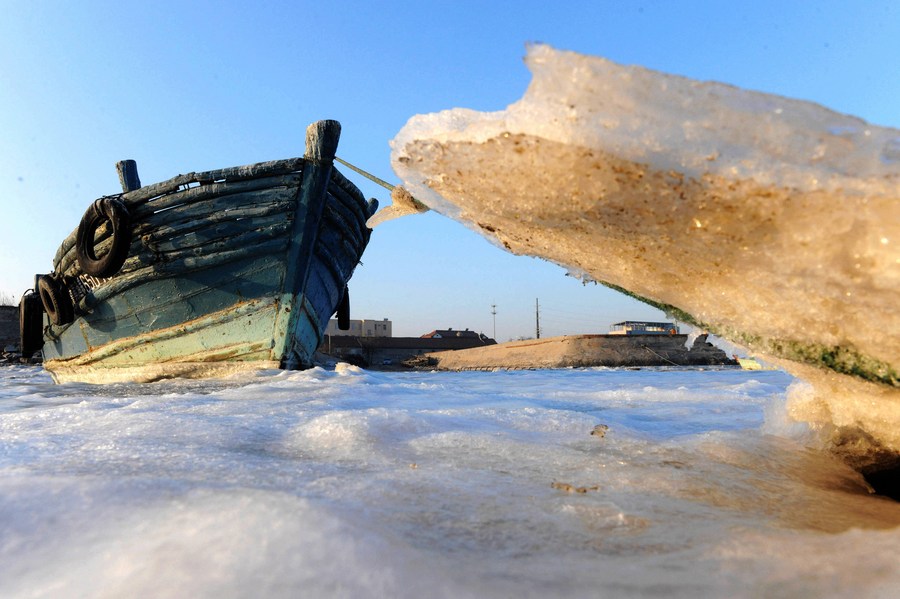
(769, 221)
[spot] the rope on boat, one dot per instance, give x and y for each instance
(403, 202)
(368, 176)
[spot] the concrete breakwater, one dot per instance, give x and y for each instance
(574, 351)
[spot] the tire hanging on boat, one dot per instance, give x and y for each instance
(114, 212)
(56, 300)
(343, 311)
(31, 324)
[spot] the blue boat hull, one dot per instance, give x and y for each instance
(227, 270)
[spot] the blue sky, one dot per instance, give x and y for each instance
(182, 86)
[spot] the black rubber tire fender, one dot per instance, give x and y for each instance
(115, 212)
(343, 311)
(56, 301)
(31, 324)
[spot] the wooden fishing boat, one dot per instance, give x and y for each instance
(204, 274)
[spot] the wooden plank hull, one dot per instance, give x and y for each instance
(229, 270)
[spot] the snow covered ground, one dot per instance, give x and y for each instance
(349, 483)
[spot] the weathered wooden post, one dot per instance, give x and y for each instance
(128, 175)
(321, 145)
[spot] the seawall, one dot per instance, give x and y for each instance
(584, 351)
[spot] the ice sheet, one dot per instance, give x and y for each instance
(356, 484)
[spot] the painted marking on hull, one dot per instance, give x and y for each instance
(174, 343)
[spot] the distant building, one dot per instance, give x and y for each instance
(450, 333)
(391, 351)
(9, 327)
(362, 328)
(639, 327)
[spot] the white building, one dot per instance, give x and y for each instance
(635, 327)
(361, 328)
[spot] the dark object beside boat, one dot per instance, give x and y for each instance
(204, 274)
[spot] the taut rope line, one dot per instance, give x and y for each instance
(368, 176)
(402, 202)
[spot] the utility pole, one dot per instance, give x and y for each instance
(537, 319)
(494, 314)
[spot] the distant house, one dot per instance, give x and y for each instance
(451, 334)
(362, 328)
(640, 327)
(9, 327)
(383, 351)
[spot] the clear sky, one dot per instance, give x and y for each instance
(185, 86)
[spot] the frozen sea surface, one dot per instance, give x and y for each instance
(349, 483)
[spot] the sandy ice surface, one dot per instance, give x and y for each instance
(348, 483)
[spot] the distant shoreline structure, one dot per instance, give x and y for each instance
(579, 351)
